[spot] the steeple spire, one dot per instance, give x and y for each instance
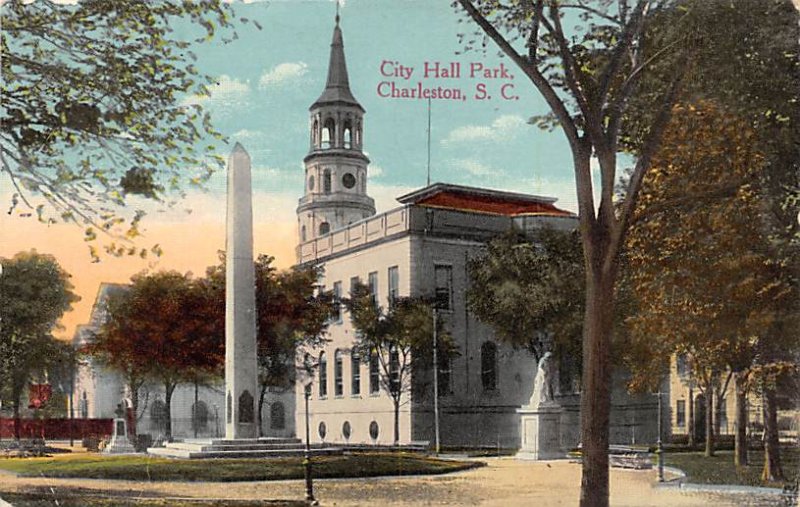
(337, 87)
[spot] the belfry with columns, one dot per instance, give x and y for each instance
(335, 168)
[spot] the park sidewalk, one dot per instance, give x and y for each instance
(504, 482)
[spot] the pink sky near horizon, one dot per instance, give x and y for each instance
(188, 247)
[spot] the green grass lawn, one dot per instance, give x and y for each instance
(145, 468)
(721, 470)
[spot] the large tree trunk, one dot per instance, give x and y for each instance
(692, 438)
(133, 386)
(740, 440)
(17, 423)
(396, 401)
(169, 389)
(195, 423)
(596, 393)
(718, 394)
(710, 421)
(772, 458)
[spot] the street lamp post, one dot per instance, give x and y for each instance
(435, 382)
(307, 454)
(659, 444)
(71, 406)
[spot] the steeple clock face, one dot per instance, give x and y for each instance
(348, 180)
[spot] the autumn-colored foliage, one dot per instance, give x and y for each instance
(700, 270)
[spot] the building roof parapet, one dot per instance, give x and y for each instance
(483, 200)
(433, 222)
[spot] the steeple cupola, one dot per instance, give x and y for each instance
(335, 168)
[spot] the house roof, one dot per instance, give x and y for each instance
(483, 200)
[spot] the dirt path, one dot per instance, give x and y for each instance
(504, 482)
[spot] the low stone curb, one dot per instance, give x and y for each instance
(690, 487)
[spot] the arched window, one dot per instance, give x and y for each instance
(338, 383)
(489, 366)
(158, 415)
(277, 416)
(315, 134)
(348, 134)
(355, 373)
(328, 133)
(326, 181)
(324, 228)
(374, 373)
(358, 135)
(323, 375)
(199, 415)
(85, 406)
(303, 233)
(394, 370)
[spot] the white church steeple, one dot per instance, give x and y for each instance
(335, 168)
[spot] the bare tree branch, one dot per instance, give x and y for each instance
(544, 87)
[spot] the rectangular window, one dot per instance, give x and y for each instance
(394, 284)
(722, 415)
(353, 282)
(323, 375)
(680, 413)
(374, 374)
(337, 302)
(443, 278)
(372, 282)
(355, 373)
(338, 381)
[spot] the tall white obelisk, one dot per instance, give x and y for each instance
(240, 302)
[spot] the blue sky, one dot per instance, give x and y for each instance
(267, 79)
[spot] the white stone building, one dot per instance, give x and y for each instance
(420, 248)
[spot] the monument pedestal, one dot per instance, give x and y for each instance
(119, 441)
(540, 432)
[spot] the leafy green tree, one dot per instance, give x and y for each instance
(400, 339)
(163, 327)
(290, 313)
(34, 293)
(527, 288)
(93, 106)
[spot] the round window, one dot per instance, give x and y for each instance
(373, 430)
(323, 430)
(346, 429)
(311, 182)
(348, 180)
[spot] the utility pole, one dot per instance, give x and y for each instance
(435, 381)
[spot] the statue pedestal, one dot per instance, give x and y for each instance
(540, 432)
(119, 442)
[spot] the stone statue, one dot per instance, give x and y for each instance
(543, 382)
